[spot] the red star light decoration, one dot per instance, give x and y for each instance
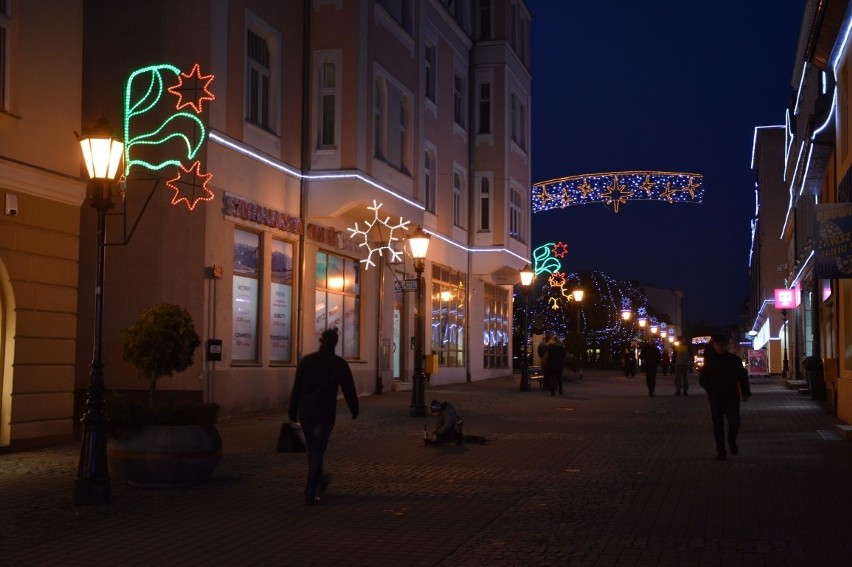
(191, 177)
(560, 249)
(200, 92)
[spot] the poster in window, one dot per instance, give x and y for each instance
(281, 301)
(321, 314)
(282, 262)
(351, 337)
(244, 343)
(335, 311)
(246, 246)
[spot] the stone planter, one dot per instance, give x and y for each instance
(167, 455)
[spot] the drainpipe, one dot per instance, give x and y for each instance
(306, 166)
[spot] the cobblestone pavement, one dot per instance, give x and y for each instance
(603, 475)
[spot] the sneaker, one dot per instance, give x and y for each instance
(734, 448)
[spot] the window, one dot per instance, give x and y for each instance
(448, 315)
(4, 50)
(400, 11)
(379, 121)
(496, 329)
(484, 20)
(281, 302)
(246, 295)
(327, 94)
(484, 205)
(516, 211)
(338, 288)
(429, 64)
(429, 180)
(259, 80)
(458, 200)
(519, 121)
(459, 114)
(484, 105)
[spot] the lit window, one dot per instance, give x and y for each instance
(495, 332)
(337, 303)
(246, 287)
(281, 302)
(448, 315)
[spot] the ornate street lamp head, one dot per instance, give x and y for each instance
(102, 152)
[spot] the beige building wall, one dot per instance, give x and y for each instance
(39, 243)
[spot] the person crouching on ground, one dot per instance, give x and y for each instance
(726, 381)
(448, 426)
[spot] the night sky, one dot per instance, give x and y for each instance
(660, 85)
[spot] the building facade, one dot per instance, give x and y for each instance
(42, 194)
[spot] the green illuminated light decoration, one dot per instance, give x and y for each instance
(150, 120)
(617, 189)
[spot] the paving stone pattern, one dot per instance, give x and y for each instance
(603, 475)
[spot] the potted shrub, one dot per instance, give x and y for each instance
(162, 444)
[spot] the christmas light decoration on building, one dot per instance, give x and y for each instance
(396, 255)
(617, 189)
(159, 133)
(544, 261)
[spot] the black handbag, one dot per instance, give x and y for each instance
(291, 439)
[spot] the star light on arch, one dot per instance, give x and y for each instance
(616, 189)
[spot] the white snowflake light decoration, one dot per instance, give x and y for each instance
(396, 255)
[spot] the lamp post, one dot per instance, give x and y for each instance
(102, 154)
(418, 242)
(785, 363)
(526, 279)
(577, 296)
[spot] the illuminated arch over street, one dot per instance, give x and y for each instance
(616, 189)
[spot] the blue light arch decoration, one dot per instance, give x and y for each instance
(616, 189)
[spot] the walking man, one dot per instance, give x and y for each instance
(726, 381)
(650, 357)
(682, 364)
(313, 402)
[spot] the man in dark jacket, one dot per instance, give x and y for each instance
(448, 426)
(313, 402)
(725, 380)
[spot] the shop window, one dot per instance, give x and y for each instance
(448, 322)
(246, 285)
(281, 302)
(495, 332)
(337, 301)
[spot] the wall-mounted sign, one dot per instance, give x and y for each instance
(246, 210)
(329, 236)
(786, 298)
(833, 246)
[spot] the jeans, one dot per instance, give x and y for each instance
(316, 435)
(720, 409)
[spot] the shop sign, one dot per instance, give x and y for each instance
(833, 232)
(246, 210)
(329, 236)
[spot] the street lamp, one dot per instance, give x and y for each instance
(418, 243)
(577, 296)
(102, 154)
(527, 275)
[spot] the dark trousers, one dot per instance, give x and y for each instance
(317, 435)
(721, 409)
(651, 377)
(681, 378)
(555, 379)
